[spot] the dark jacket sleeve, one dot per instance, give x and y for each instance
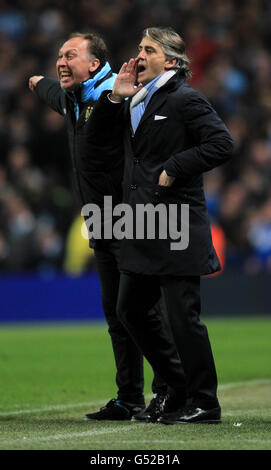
(212, 144)
(107, 117)
(106, 125)
(50, 92)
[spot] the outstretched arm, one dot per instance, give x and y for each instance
(48, 90)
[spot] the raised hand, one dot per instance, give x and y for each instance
(124, 85)
(33, 81)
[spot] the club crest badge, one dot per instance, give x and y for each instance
(88, 112)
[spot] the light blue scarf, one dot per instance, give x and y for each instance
(88, 90)
(141, 99)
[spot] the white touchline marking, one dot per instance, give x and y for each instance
(53, 407)
(101, 402)
(63, 437)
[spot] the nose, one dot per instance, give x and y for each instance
(141, 55)
(61, 62)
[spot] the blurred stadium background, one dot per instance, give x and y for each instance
(47, 270)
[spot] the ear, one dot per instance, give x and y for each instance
(169, 64)
(94, 64)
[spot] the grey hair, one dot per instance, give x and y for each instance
(173, 47)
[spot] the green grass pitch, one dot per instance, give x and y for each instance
(51, 375)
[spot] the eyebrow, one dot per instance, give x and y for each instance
(146, 47)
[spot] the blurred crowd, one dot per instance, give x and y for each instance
(229, 45)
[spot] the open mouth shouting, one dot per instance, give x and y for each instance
(140, 71)
(65, 77)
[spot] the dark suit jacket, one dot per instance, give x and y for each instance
(181, 133)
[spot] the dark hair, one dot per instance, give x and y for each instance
(97, 46)
(173, 46)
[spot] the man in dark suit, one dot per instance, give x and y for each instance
(171, 136)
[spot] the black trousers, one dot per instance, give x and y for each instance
(137, 294)
(128, 356)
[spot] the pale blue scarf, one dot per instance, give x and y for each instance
(88, 90)
(140, 101)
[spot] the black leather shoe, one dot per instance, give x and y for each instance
(116, 410)
(192, 414)
(155, 409)
(161, 403)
